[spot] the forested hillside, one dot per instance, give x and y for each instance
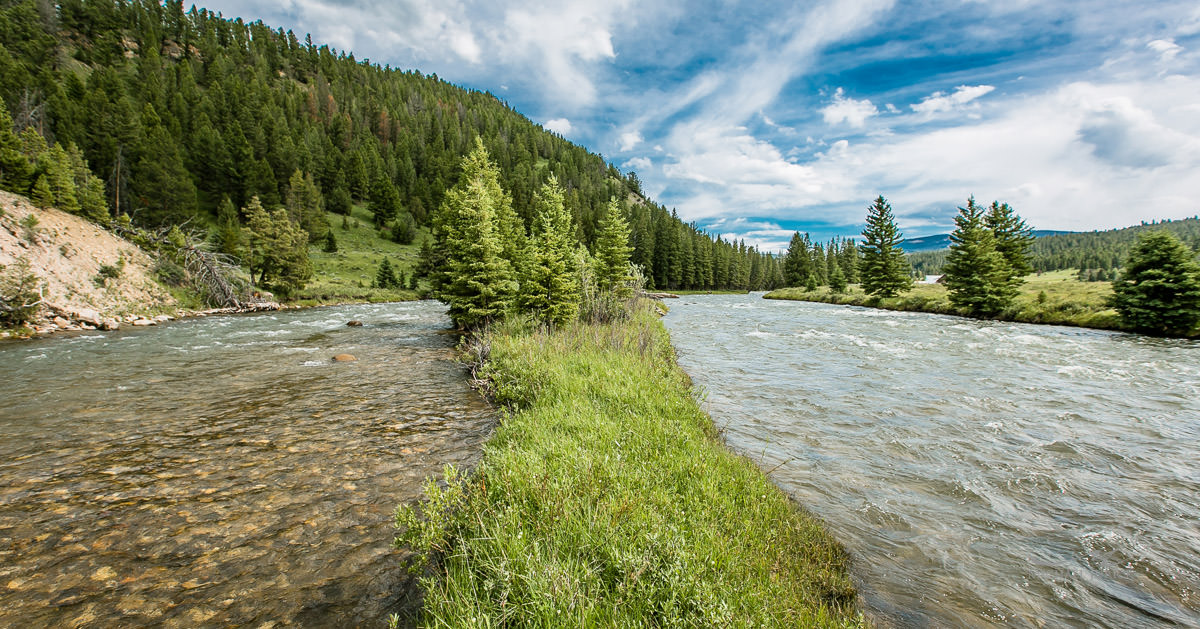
(176, 111)
(1092, 252)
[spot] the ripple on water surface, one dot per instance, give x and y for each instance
(224, 471)
(981, 473)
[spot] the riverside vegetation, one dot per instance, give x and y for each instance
(987, 274)
(606, 499)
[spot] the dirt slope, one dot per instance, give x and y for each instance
(66, 252)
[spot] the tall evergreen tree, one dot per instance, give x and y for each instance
(473, 278)
(883, 269)
(1158, 290)
(976, 275)
(551, 288)
(797, 261)
(1013, 238)
(612, 251)
(305, 206)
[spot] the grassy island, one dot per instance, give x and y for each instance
(606, 499)
(1055, 298)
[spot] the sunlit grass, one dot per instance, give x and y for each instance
(349, 274)
(1055, 297)
(606, 499)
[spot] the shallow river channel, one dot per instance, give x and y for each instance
(224, 471)
(980, 473)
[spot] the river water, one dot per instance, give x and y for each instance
(980, 473)
(223, 471)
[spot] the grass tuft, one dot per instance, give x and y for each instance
(604, 498)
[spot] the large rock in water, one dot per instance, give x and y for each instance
(344, 358)
(354, 323)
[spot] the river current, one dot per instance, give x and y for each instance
(224, 471)
(980, 473)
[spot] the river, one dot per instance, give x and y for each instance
(224, 471)
(980, 473)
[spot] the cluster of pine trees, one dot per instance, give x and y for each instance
(182, 115)
(811, 264)
(484, 266)
(988, 258)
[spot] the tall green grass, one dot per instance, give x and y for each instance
(605, 499)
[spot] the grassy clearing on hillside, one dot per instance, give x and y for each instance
(1067, 301)
(605, 499)
(349, 274)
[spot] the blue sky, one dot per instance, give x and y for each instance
(755, 119)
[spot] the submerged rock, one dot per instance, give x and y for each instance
(354, 323)
(344, 358)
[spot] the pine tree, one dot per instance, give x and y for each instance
(797, 261)
(385, 277)
(304, 206)
(883, 269)
(15, 168)
(550, 289)
(42, 195)
(1013, 238)
(331, 245)
(278, 249)
(976, 274)
(1159, 289)
(612, 251)
(470, 273)
(228, 238)
(837, 279)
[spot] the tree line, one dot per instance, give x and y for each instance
(185, 115)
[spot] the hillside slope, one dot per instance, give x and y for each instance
(66, 253)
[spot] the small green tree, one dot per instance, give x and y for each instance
(385, 277)
(837, 279)
(883, 270)
(550, 289)
(977, 276)
(1158, 290)
(331, 245)
(612, 251)
(20, 294)
(227, 237)
(278, 249)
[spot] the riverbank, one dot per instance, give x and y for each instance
(1055, 298)
(606, 498)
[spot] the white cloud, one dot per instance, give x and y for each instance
(847, 110)
(1167, 49)
(641, 164)
(629, 140)
(942, 102)
(561, 126)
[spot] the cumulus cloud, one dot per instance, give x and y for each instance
(561, 126)
(941, 102)
(629, 140)
(638, 163)
(847, 110)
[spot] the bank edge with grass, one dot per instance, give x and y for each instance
(605, 498)
(1054, 298)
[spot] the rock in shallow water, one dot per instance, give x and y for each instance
(344, 358)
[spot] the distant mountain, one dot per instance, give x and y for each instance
(942, 241)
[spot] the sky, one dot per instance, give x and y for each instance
(757, 119)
